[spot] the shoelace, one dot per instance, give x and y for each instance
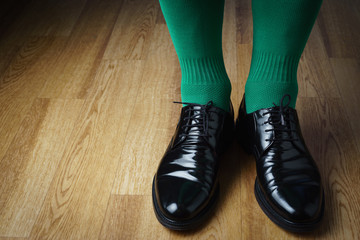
(280, 121)
(197, 121)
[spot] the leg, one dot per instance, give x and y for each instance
(195, 27)
(281, 29)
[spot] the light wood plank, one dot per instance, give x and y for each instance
(30, 67)
(229, 46)
(253, 224)
(243, 65)
(244, 22)
(78, 62)
(330, 139)
(31, 161)
(76, 203)
(12, 238)
(131, 37)
(347, 73)
(131, 217)
(339, 21)
(160, 18)
(315, 76)
(59, 178)
(12, 113)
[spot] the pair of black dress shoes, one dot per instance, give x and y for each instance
(288, 185)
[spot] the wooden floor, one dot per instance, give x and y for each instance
(86, 112)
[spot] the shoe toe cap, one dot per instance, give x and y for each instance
(299, 203)
(179, 200)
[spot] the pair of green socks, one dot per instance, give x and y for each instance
(281, 29)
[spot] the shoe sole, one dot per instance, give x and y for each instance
(281, 221)
(188, 224)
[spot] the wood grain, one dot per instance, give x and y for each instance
(340, 31)
(31, 161)
(25, 19)
(12, 238)
(29, 68)
(79, 60)
(80, 189)
(243, 22)
(243, 65)
(11, 116)
(347, 72)
(229, 47)
(315, 76)
(86, 113)
(160, 87)
(131, 217)
(131, 37)
(334, 150)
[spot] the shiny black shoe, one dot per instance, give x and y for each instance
(288, 184)
(185, 187)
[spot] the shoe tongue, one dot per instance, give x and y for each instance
(196, 121)
(283, 134)
(280, 117)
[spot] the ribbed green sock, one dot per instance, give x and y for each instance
(195, 27)
(281, 29)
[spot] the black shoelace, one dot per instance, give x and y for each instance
(280, 120)
(197, 120)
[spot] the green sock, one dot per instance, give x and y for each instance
(281, 29)
(195, 27)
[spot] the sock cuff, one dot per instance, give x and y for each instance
(207, 70)
(260, 95)
(201, 94)
(266, 66)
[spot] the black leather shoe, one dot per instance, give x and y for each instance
(288, 185)
(185, 186)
